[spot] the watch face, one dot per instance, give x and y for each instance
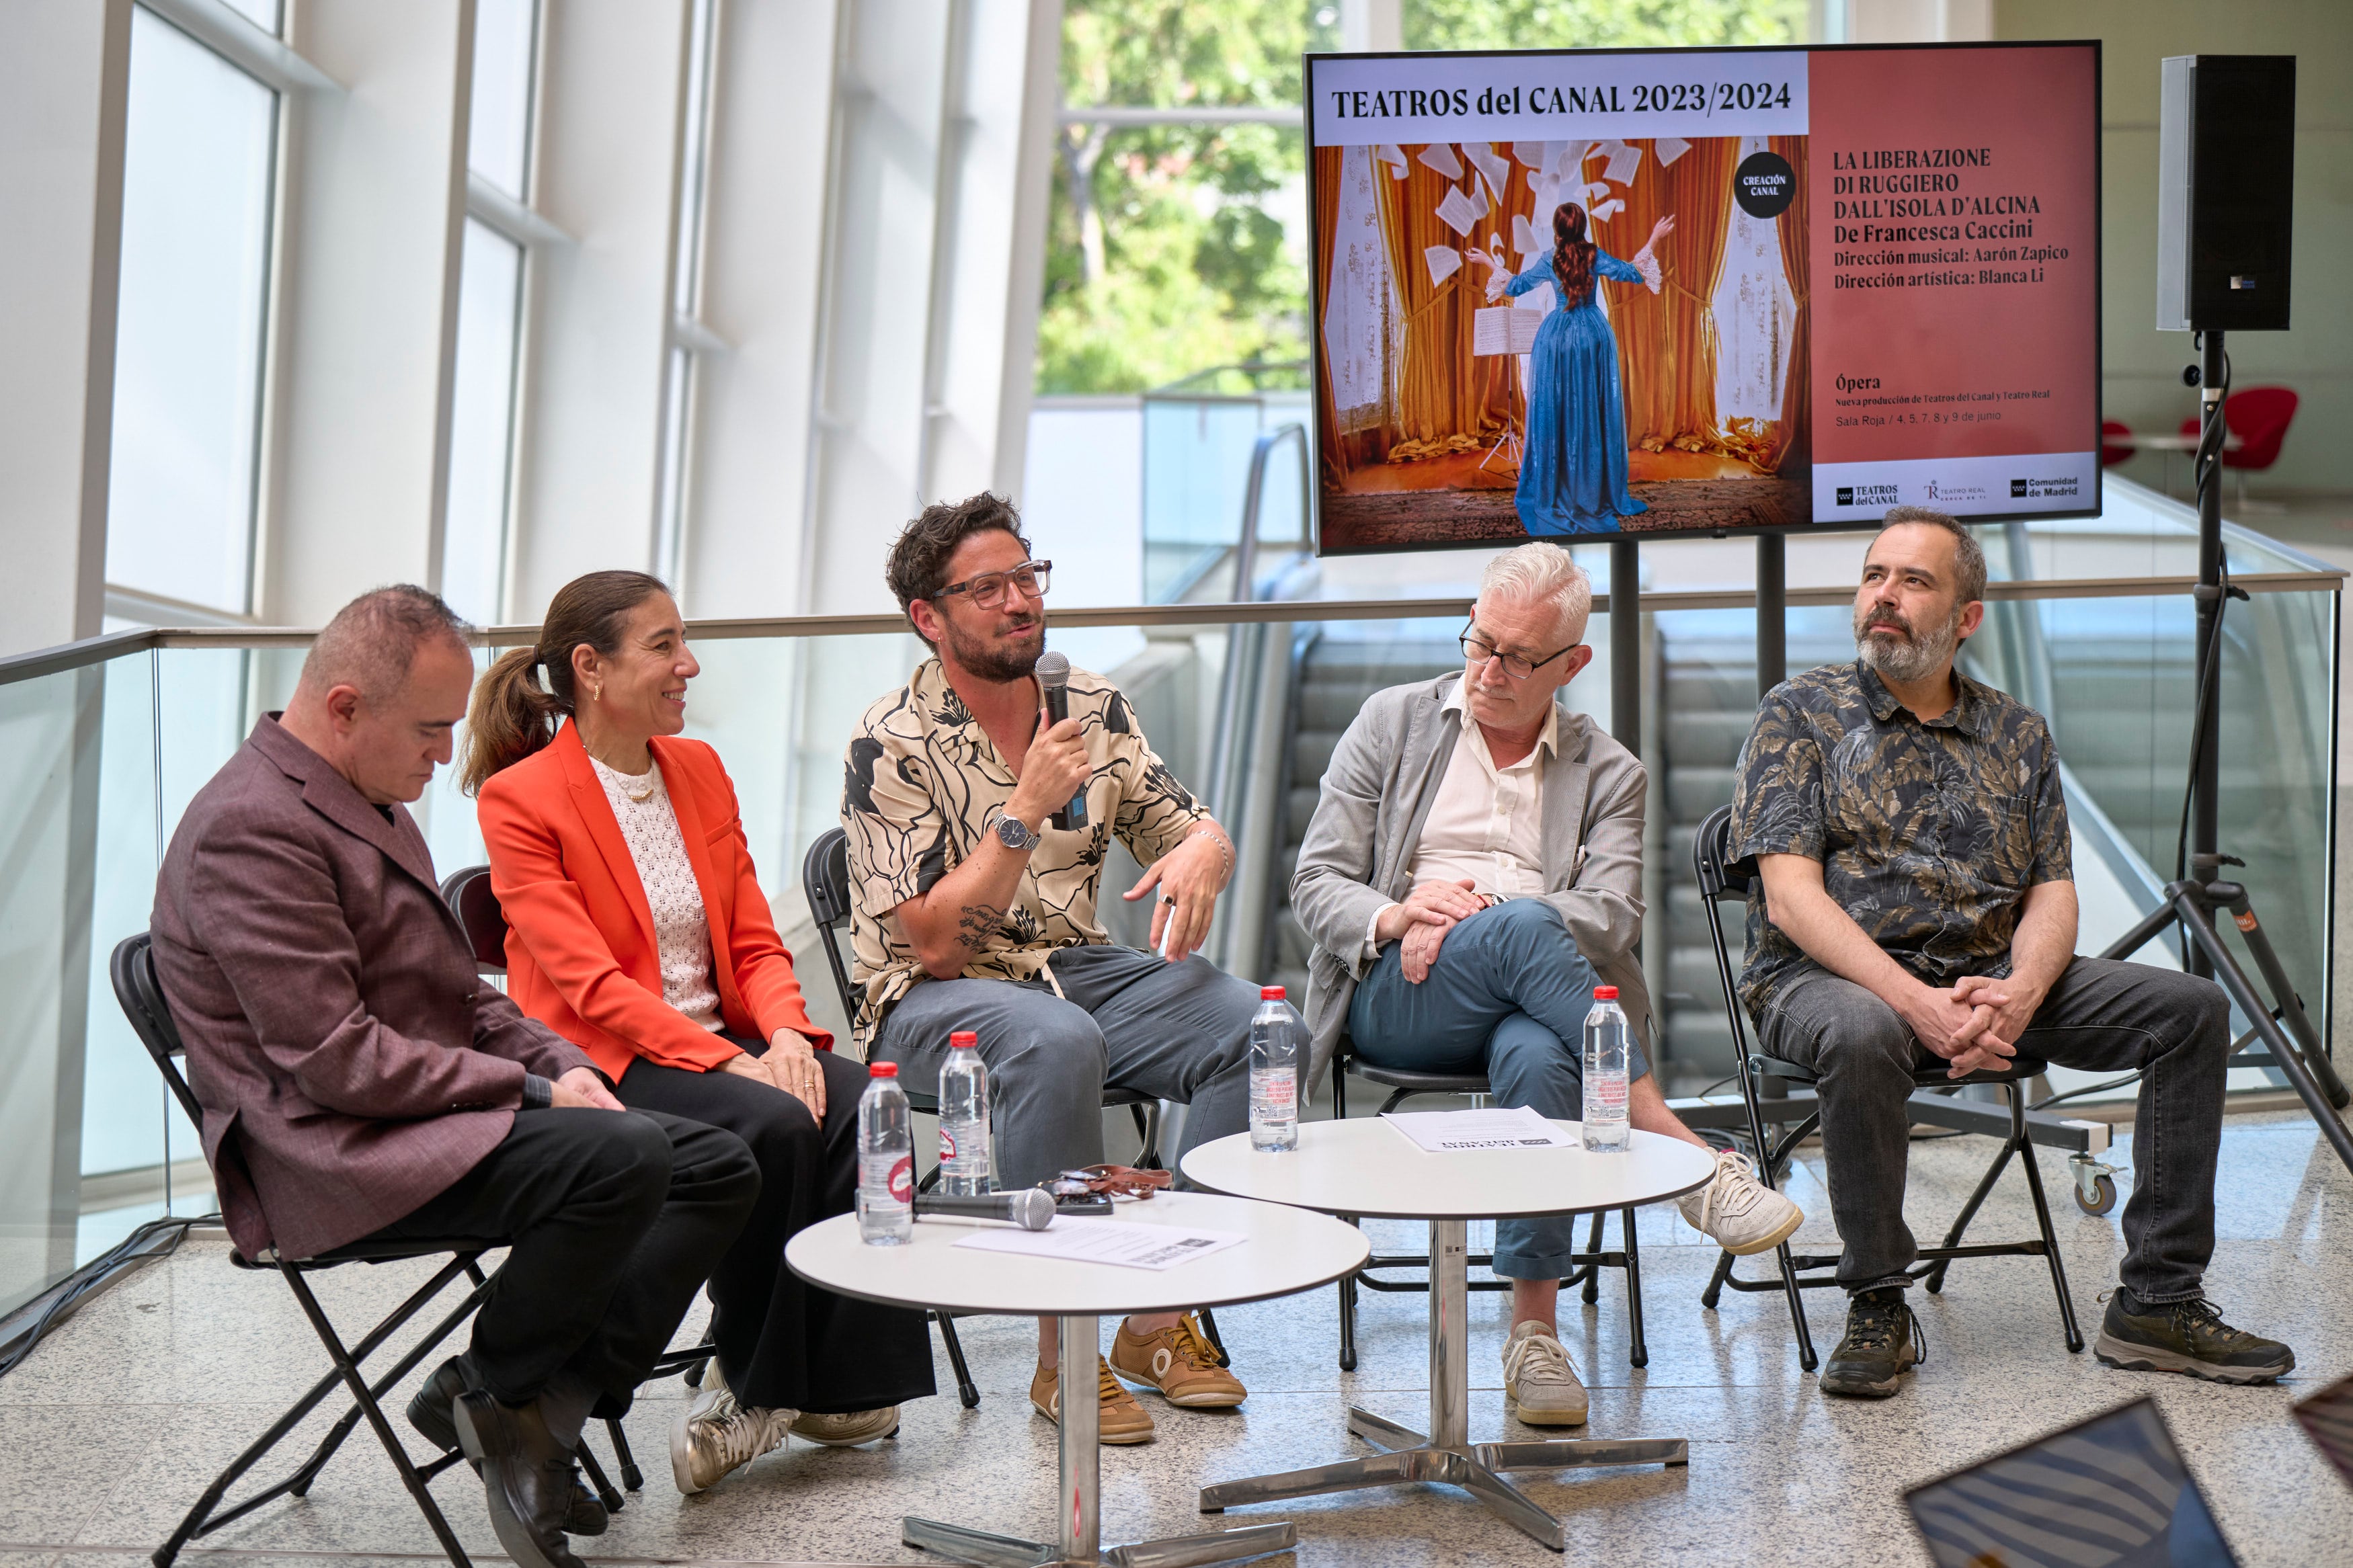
(1016, 834)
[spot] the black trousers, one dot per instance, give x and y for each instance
(784, 1343)
(612, 1220)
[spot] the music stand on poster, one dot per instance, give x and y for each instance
(1506, 330)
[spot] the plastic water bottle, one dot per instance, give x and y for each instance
(1274, 1073)
(886, 1159)
(1605, 1073)
(964, 1120)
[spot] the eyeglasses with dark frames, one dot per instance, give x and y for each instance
(1519, 667)
(988, 590)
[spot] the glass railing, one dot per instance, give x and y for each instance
(109, 741)
(1205, 457)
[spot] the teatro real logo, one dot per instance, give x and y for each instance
(1950, 493)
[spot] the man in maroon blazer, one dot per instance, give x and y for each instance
(359, 1079)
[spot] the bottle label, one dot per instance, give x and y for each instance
(1607, 1094)
(1275, 1092)
(890, 1174)
(947, 1144)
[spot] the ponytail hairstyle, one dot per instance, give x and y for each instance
(1572, 254)
(513, 714)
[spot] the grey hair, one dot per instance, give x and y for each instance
(1539, 571)
(1969, 555)
(372, 642)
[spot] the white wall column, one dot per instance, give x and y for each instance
(588, 456)
(367, 309)
(65, 72)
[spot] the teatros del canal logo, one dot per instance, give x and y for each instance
(1866, 495)
(2027, 489)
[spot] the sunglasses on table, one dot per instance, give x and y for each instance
(990, 590)
(1109, 1180)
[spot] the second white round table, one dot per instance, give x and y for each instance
(1366, 1168)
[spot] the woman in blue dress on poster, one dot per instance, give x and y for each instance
(1573, 474)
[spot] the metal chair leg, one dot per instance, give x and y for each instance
(1592, 1291)
(1638, 1352)
(1936, 1275)
(1147, 1132)
(2043, 1218)
(1715, 1291)
(596, 1481)
(1807, 1360)
(968, 1392)
(1209, 1331)
(632, 1478)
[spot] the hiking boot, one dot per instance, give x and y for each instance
(2185, 1336)
(1540, 1383)
(1883, 1342)
(1178, 1362)
(1119, 1420)
(1739, 1213)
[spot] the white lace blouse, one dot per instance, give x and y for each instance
(681, 928)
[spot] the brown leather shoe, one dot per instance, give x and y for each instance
(1119, 1420)
(1178, 1362)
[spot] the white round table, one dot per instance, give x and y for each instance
(1288, 1249)
(1366, 1168)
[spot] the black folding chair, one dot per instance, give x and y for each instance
(1722, 881)
(1403, 1086)
(825, 882)
(468, 894)
(136, 987)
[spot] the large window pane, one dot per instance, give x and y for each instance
(482, 425)
(1600, 24)
(497, 144)
(188, 352)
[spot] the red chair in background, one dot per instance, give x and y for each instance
(2258, 418)
(2113, 454)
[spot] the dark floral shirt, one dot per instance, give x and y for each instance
(1929, 833)
(924, 782)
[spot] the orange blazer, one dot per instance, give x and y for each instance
(581, 954)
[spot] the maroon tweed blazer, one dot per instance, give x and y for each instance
(351, 1062)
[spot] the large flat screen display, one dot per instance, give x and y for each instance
(1587, 292)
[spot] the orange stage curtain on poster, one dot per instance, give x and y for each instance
(1798, 386)
(1666, 341)
(1448, 398)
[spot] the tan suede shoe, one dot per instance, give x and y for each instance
(1178, 1362)
(1119, 1420)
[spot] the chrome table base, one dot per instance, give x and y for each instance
(1446, 1455)
(1077, 1346)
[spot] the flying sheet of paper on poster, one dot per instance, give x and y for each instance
(1438, 155)
(1113, 1241)
(1457, 213)
(1394, 156)
(1454, 1132)
(1524, 237)
(1608, 210)
(1668, 149)
(1444, 262)
(1497, 171)
(1595, 193)
(1477, 199)
(1623, 161)
(1531, 153)
(1505, 329)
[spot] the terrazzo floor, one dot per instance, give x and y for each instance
(112, 1427)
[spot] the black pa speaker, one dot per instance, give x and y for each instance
(2226, 188)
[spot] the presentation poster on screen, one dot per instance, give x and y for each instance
(1592, 292)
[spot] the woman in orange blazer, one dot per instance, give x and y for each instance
(636, 930)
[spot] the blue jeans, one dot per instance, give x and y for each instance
(1507, 996)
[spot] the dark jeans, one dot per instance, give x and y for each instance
(1125, 1019)
(1508, 997)
(2101, 1017)
(783, 1342)
(613, 1218)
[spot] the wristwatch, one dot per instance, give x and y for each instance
(1014, 834)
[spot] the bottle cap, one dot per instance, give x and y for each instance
(1605, 993)
(1269, 992)
(964, 1037)
(882, 1069)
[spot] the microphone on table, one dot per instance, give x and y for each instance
(1031, 1208)
(1054, 676)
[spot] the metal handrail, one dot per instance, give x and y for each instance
(98, 649)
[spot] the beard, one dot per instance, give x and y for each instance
(997, 659)
(1908, 657)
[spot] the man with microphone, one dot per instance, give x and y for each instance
(980, 805)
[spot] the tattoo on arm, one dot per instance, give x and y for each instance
(974, 922)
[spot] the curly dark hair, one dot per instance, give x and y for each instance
(1572, 254)
(919, 561)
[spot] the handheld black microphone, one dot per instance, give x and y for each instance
(1054, 676)
(1031, 1208)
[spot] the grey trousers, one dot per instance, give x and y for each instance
(2102, 1017)
(1125, 1019)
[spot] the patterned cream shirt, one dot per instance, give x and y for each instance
(924, 781)
(648, 822)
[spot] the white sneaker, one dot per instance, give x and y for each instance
(1741, 1213)
(1540, 1383)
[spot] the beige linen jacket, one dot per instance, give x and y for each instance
(1377, 793)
